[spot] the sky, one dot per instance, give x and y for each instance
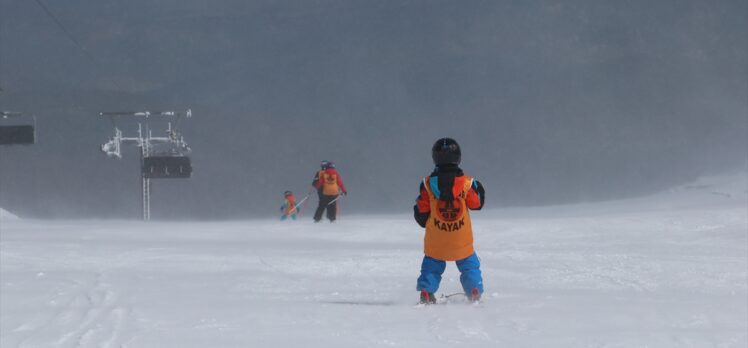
(551, 102)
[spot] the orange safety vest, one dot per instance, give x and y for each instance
(330, 185)
(449, 231)
(290, 205)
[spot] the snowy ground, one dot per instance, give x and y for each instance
(669, 270)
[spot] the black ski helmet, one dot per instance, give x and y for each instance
(330, 165)
(324, 164)
(287, 193)
(446, 151)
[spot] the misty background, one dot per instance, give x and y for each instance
(552, 102)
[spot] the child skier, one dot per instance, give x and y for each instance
(442, 208)
(289, 206)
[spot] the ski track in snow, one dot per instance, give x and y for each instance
(665, 271)
(85, 314)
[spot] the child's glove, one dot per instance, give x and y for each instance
(421, 218)
(481, 193)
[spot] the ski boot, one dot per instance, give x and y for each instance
(474, 296)
(427, 298)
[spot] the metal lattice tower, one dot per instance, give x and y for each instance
(165, 157)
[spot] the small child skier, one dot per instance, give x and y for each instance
(289, 206)
(442, 208)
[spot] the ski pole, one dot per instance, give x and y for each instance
(339, 208)
(303, 201)
(335, 200)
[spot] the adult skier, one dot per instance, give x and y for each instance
(329, 186)
(442, 208)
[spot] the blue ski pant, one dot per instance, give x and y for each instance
(284, 217)
(432, 270)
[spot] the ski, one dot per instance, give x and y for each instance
(444, 299)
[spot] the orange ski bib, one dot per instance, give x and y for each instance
(329, 184)
(290, 206)
(449, 231)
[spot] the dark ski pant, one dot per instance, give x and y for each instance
(432, 270)
(324, 203)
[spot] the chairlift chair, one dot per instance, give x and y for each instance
(23, 134)
(167, 167)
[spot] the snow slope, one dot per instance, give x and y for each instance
(6, 215)
(669, 270)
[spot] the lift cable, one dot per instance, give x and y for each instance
(65, 30)
(72, 38)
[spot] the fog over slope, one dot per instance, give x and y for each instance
(552, 103)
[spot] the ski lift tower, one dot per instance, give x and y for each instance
(161, 157)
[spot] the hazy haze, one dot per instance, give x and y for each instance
(552, 102)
